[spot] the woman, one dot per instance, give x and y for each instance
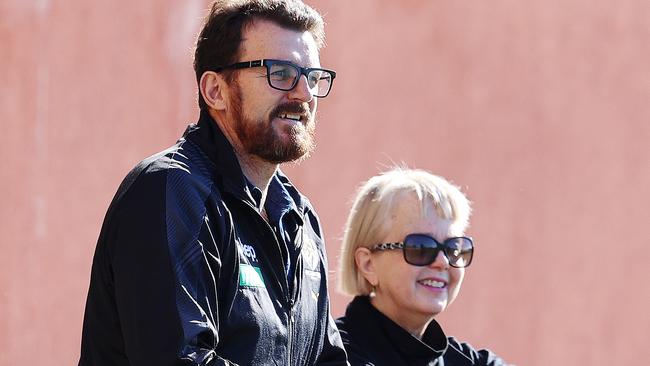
(404, 257)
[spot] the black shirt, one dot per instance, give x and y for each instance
(371, 338)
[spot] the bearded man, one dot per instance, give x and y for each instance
(208, 255)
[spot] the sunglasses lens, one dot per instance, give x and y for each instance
(459, 251)
(420, 250)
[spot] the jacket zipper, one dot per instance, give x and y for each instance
(290, 333)
(289, 298)
(277, 244)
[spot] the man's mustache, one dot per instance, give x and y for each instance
(297, 107)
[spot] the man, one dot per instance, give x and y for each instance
(208, 254)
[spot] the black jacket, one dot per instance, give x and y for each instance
(186, 272)
(371, 338)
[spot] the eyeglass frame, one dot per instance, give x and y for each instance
(270, 62)
(439, 247)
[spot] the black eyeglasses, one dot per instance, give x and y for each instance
(422, 250)
(284, 75)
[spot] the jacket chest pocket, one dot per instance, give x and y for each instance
(254, 331)
(313, 268)
(313, 291)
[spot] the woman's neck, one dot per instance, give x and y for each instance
(413, 323)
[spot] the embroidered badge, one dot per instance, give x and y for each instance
(250, 276)
(310, 253)
(248, 251)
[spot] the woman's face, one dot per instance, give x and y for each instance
(411, 295)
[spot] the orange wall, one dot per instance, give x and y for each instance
(539, 109)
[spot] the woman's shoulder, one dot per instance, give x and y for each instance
(463, 353)
(357, 351)
(357, 317)
(352, 334)
(362, 337)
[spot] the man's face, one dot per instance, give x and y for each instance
(257, 112)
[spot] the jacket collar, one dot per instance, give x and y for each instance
(415, 351)
(228, 173)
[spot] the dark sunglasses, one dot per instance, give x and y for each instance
(422, 250)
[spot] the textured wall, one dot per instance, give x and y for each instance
(539, 109)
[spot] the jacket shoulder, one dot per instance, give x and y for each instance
(170, 192)
(181, 170)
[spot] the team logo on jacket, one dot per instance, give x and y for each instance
(248, 251)
(310, 253)
(250, 276)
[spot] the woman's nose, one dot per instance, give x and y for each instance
(441, 261)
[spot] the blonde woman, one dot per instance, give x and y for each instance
(404, 257)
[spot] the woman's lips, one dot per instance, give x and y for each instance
(433, 283)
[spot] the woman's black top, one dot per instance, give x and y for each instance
(372, 339)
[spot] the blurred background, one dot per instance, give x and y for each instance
(539, 110)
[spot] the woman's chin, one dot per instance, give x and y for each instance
(436, 308)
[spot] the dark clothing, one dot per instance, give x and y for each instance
(186, 271)
(371, 338)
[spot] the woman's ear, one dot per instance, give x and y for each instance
(213, 88)
(365, 265)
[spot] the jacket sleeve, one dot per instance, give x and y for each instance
(165, 268)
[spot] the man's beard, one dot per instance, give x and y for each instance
(259, 138)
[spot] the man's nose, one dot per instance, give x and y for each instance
(301, 91)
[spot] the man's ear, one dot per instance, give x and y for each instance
(214, 90)
(365, 265)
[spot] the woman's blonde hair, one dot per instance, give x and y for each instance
(369, 219)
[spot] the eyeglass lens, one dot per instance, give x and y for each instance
(285, 77)
(422, 250)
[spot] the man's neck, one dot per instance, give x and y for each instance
(258, 172)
